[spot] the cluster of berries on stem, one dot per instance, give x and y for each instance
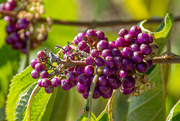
(23, 30)
(119, 64)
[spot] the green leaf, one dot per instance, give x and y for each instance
(163, 32)
(150, 105)
(103, 116)
(174, 114)
(2, 114)
(84, 116)
(8, 64)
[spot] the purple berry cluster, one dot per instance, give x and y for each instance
(20, 27)
(119, 63)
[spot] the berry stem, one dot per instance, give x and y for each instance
(28, 113)
(166, 60)
(89, 100)
(93, 24)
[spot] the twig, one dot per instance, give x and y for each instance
(93, 24)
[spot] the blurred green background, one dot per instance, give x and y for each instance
(90, 10)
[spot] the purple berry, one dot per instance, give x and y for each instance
(14, 36)
(145, 49)
(112, 45)
(89, 60)
(55, 81)
(128, 82)
(91, 32)
(83, 89)
(85, 95)
(10, 28)
(66, 84)
(41, 54)
(94, 53)
(150, 39)
(137, 56)
(89, 70)
(135, 30)
(149, 63)
(126, 52)
(82, 45)
(109, 61)
(116, 52)
(80, 36)
(99, 61)
(107, 71)
(39, 67)
(18, 45)
(79, 70)
(118, 62)
(71, 76)
(102, 80)
(135, 47)
(142, 67)
(40, 82)
(73, 83)
(103, 44)
(9, 41)
(87, 50)
(120, 42)
(127, 91)
(112, 80)
(104, 89)
(106, 52)
(100, 34)
(96, 94)
(9, 7)
(46, 82)
(83, 79)
(33, 63)
(128, 64)
(117, 85)
(22, 23)
(35, 74)
(129, 38)
(143, 38)
(108, 95)
(123, 32)
(49, 89)
(76, 40)
(123, 73)
(2, 7)
(44, 74)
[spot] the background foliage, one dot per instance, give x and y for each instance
(72, 102)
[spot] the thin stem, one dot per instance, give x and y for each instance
(89, 100)
(169, 60)
(30, 102)
(93, 24)
(110, 105)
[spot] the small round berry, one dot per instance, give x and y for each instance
(116, 52)
(112, 80)
(9, 7)
(104, 89)
(117, 85)
(82, 45)
(14, 36)
(117, 62)
(46, 82)
(35, 74)
(2, 6)
(108, 95)
(128, 64)
(91, 32)
(49, 89)
(151, 39)
(83, 89)
(109, 61)
(39, 67)
(142, 67)
(89, 70)
(66, 84)
(129, 38)
(106, 52)
(41, 54)
(33, 63)
(40, 82)
(127, 91)
(145, 49)
(135, 30)
(79, 70)
(120, 42)
(112, 45)
(135, 47)
(18, 45)
(123, 32)
(128, 82)
(103, 44)
(10, 28)
(99, 61)
(143, 38)
(102, 80)
(107, 71)
(80, 36)
(55, 81)
(44, 74)
(96, 94)
(126, 52)
(149, 63)
(87, 50)
(83, 79)
(75, 40)
(8, 40)
(137, 56)
(71, 76)
(123, 73)
(73, 83)
(85, 95)
(89, 60)
(94, 53)
(100, 34)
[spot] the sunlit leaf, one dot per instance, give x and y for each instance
(174, 114)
